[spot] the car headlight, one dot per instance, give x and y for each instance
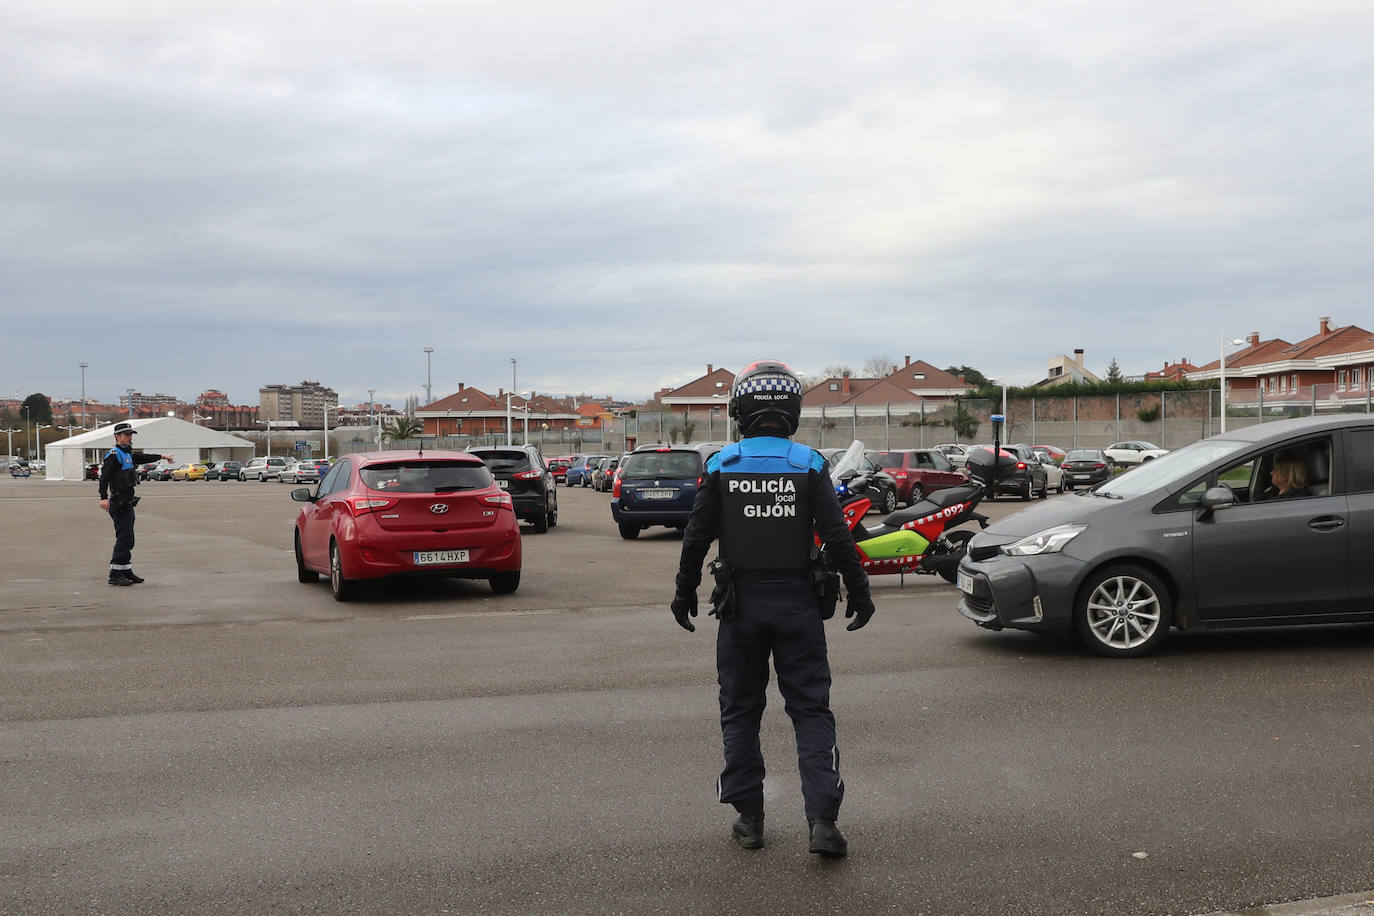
(1051, 540)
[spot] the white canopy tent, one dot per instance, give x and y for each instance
(184, 441)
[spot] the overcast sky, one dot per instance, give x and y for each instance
(616, 194)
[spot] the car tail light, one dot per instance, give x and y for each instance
(1020, 465)
(531, 474)
(663, 449)
(1099, 466)
(361, 505)
(615, 485)
(497, 499)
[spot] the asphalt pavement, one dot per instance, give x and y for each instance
(223, 739)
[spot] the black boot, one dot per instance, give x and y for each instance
(133, 579)
(748, 829)
(826, 839)
(117, 579)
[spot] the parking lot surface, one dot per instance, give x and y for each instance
(223, 739)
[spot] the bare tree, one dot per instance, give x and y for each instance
(878, 367)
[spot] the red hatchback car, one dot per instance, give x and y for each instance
(918, 472)
(384, 514)
(558, 467)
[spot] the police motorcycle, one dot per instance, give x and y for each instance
(916, 539)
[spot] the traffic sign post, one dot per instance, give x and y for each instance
(997, 421)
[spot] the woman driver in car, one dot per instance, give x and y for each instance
(1289, 477)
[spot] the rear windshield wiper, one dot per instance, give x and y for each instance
(1107, 495)
(459, 486)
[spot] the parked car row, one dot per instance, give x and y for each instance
(454, 514)
(283, 470)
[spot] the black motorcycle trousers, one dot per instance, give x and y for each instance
(778, 619)
(121, 559)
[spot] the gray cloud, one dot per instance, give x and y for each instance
(620, 193)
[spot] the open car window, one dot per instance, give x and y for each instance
(1250, 477)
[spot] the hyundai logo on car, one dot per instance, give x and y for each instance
(438, 508)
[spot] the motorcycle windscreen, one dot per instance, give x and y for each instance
(847, 461)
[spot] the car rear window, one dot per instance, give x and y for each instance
(426, 476)
(661, 464)
(512, 460)
(1081, 454)
(888, 460)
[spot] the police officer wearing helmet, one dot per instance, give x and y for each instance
(118, 478)
(763, 497)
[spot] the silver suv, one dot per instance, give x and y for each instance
(263, 469)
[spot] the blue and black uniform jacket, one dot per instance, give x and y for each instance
(771, 458)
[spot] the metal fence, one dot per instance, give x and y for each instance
(1169, 419)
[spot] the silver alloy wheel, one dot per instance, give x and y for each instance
(1123, 612)
(335, 567)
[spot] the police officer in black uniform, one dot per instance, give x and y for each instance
(118, 478)
(763, 497)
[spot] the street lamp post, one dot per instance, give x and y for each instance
(327, 409)
(38, 432)
(371, 415)
(71, 426)
(131, 402)
(195, 416)
(429, 375)
(83, 394)
(1221, 373)
(268, 423)
(9, 439)
(510, 433)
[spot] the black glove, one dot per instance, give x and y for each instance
(685, 604)
(860, 607)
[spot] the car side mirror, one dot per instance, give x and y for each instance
(1219, 497)
(303, 495)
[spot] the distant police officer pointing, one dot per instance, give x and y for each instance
(763, 497)
(118, 478)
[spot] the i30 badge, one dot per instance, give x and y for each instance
(438, 508)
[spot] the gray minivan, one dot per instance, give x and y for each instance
(1197, 538)
(263, 469)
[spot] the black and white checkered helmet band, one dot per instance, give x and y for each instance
(757, 383)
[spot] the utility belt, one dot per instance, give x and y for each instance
(124, 499)
(823, 578)
(772, 575)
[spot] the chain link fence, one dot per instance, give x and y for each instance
(1169, 419)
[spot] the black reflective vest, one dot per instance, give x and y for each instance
(766, 513)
